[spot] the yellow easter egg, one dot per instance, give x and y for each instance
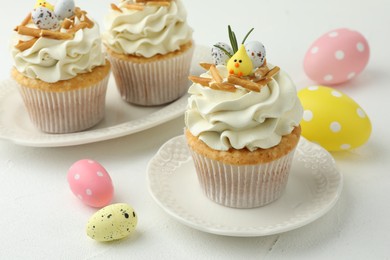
(333, 119)
(115, 221)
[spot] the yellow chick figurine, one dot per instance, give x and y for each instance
(43, 3)
(240, 64)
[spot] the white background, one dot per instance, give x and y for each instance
(41, 219)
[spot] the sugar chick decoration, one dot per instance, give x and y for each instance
(45, 4)
(240, 64)
(64, 9)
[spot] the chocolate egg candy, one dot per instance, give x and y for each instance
(44, 18)
(219, 56)
(112, 222)
(64, 9)
(256, 52)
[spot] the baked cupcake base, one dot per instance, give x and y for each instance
(152, 81)
(65, 106)
(240, 178)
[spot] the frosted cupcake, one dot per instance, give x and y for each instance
(242, 126)
(60, 68)
(149, 44)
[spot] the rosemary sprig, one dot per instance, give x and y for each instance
(246, 36)
(224, 50)
(233, 39)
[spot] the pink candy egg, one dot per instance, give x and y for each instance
(91, 183)
(336, 57)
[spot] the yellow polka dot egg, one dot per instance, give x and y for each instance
(332, 119)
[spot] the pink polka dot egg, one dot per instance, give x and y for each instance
(332, 119)
(91, 183)
(336, 57)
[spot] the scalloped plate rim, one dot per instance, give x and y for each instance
(227, 231)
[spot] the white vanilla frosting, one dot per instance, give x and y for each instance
(243, 118)
(53, 60)
(153, 30)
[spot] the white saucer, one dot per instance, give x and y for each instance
(120, 119)
(313, 188)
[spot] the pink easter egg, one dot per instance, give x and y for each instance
(91, 183)
(336, 57)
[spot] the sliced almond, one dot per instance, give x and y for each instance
(199, 80)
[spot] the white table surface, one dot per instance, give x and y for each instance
(41, 219)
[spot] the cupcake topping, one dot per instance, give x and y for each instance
(246, 66)
(140, 4)
(59, 22)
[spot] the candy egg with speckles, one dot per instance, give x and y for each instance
(44, 18)
(91, 183)
(219, 56)
(336, 57)
(256, 52)
(333, 119)
(64, 9)
(112, 222)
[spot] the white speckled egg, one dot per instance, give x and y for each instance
(64, 9)
(91, 183)
(336, 57)
(332, 119)
(44, 18)
(256, 52)
(112, 222)
(218, 55)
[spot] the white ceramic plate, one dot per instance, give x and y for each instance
(120, 119)
(313, 188)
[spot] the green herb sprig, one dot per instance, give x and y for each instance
(233, 41)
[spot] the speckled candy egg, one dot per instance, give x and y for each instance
(256, 52)
(64, 9)
(332, 119)
(218, 55)
(43, 18)
(336, 57)
(91, 183)
(112, 222)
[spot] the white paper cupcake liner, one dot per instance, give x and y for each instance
(153, 83)
(242, 186)
(65, 111)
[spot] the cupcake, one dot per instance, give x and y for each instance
(242, 126)
(149, 44)
(60, 68)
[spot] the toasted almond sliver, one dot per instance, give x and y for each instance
(160, 3)
(205, 65)
(77, 27)
(24, 30)
(263, 82)
(56, 35)
(272, 72)
(199, 80)
(261, 71)
(26, 20)
(223, 86)
(248, 84)
(138, 7)
(67, 23)
(215, 74)
(116, 8)
(24, 45)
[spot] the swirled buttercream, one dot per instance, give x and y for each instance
(52, 60)
(153, 30)
(243, 119)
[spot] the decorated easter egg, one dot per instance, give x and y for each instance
(256, 52)
(91, 183)
(112, 222)
(336, 57)
(43, 18)
(64, 9)
(332, 119)
(219, 56)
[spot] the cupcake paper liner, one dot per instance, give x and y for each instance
(242, 186)
(66, 111)
(155, 82)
